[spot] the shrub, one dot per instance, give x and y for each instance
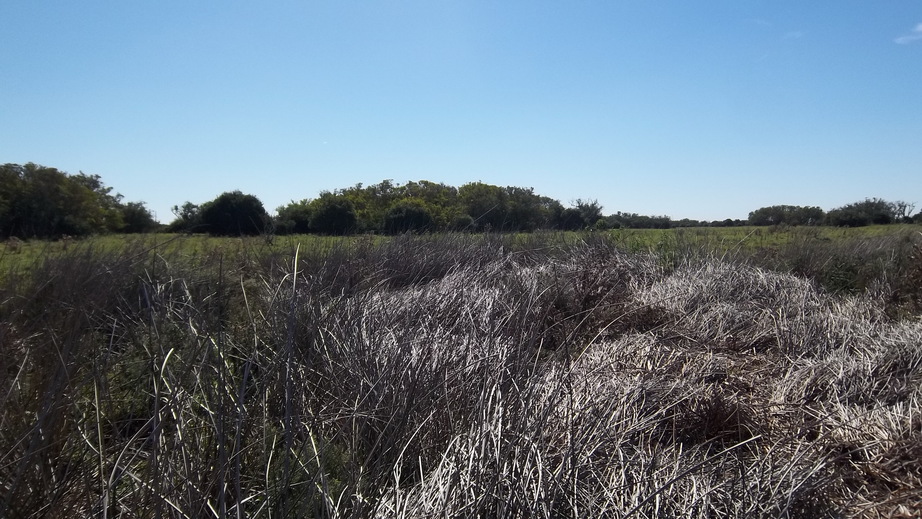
(234, 214)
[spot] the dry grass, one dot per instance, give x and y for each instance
(451, 377)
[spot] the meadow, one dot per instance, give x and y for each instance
(741, 372)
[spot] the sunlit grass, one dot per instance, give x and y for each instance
(531, 375)
(714, 240)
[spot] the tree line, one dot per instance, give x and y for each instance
(390, 208)
(425, 206)
(870, 211)
(42, 202)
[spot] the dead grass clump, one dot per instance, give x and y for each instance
(712, 419)
(748, 309)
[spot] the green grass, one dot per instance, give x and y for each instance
(714, 240)
(727, 240)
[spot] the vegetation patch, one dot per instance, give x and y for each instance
(459, 375)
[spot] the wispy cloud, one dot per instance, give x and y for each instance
(915, 35)
(793, 35)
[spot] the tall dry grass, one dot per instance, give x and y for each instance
(451, 376)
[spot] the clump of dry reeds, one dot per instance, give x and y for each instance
(452, 376)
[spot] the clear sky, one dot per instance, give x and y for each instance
(704, 110)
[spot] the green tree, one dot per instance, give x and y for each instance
(137, 218)
(107, 206)
(585, 214)
(570, 219)
(589, 210)
(234, 214)
(11, 192)
(188, 218)
(485, 203)
(638, 221)
(440, 200)
(867, 212)
(43, 202)
(333, 214)
(409, 215)
(38, 201)
(903, 211)
(787, 215)
(369, 203)
(527, 211)
(294, 218)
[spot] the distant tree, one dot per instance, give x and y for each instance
(528, 211)
(523, 209)
(787, 215)
(638, 221)
(137, 218)
(440, 200)
(609, 222)
(589, 210)
(418, 205)
(686, 222)
(188, 218)
(11, 192)
(602, 225)
(369, 203)
(52, 206)
(294, 218)
(234, 214)
(42, 202)
(37, 201)
(903, 211)
(570, 219)
(108, 205)
(867, 212)
(486, 204)
(333, 214)
(408, 215)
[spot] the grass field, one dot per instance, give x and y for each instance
(686, 373)
(713, 241)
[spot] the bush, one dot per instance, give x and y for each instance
(234, 214)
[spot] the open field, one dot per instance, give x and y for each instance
(713, 241)
(689, 373)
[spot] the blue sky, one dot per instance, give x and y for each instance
(704, 110)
